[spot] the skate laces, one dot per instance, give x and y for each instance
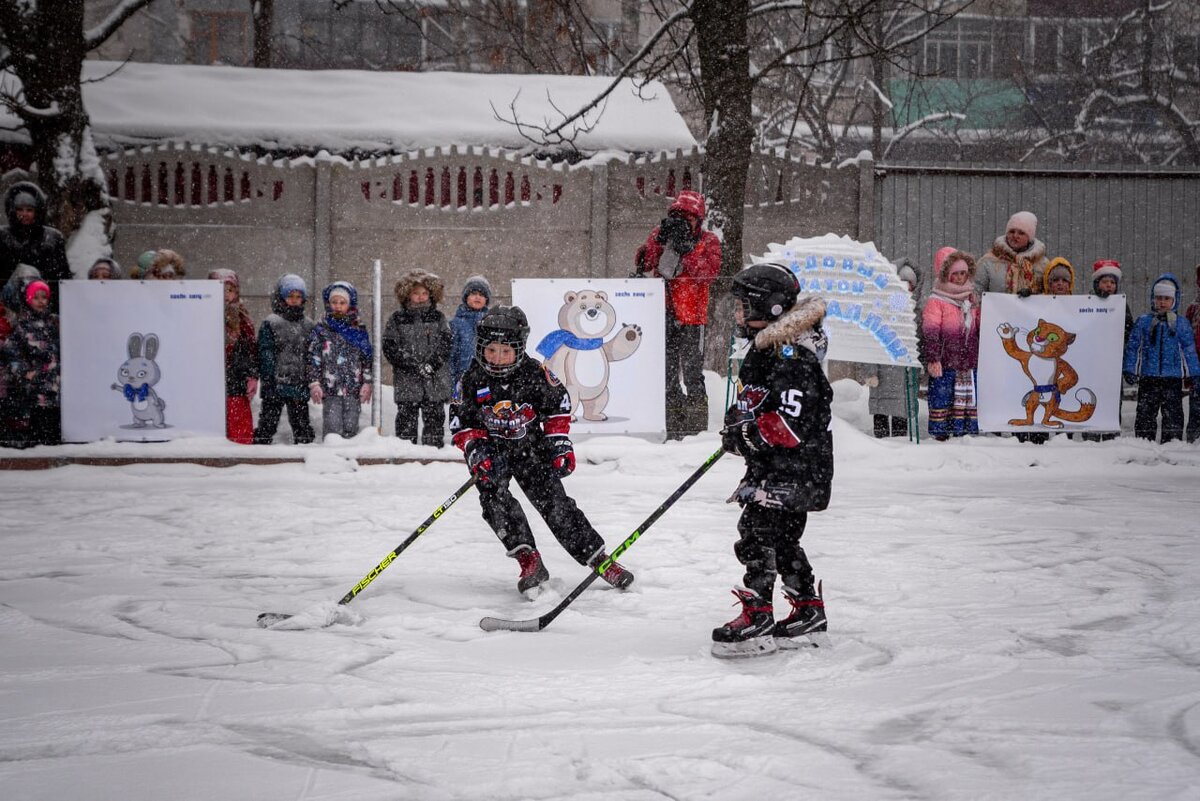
(747, 599)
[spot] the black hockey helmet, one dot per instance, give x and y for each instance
(504, 324)
(766, 291)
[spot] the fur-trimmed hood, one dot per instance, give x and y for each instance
(418, 277)
(1035, 252)
(39, 202)
(794, 326)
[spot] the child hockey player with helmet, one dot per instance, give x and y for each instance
(511, 421)
(779, 423)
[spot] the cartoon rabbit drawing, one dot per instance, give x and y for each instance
(136, 377)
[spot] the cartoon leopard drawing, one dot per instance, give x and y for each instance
(1050, 373)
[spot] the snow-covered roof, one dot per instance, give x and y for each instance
(342, 110)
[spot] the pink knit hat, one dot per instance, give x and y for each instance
(36, 287)
(940, 257)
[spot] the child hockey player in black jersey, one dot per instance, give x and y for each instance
(780, 424)
(511, 421)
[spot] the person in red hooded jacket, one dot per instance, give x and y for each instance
(689, 258)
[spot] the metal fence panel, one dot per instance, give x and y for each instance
(1148, 220)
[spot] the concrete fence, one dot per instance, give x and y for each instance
(455, 212)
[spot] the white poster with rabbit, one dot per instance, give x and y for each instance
(142, 361)
(604, 339)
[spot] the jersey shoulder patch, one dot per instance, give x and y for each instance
(551, 378)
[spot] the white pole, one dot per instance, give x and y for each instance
(376, 397)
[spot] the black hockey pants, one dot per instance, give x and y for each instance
(544, 488)
(769, 546)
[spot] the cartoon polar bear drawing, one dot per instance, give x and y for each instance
(578, 354)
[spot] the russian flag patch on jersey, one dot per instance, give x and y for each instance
(483, 394)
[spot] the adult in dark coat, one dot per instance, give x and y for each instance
(28, 240)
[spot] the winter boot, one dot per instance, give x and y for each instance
(533, 572)
(749, 634)
(807, 619)
(614, 574)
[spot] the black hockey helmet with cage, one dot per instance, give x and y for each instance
(766, 291)
(507, 325)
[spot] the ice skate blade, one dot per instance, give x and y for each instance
(746, 649)
(816, 639)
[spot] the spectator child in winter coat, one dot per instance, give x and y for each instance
(1106, 282)
(105, 269)
(1059, 278)
(689, 258)
(339, 362)
(282, 355)
(950, 330)
(241, 360)
(512, 421)
(417, 342)
(476, 295)
(1192, 315)
(167, 265)
(780, 424)
(30, 357)
(888, 402)
(1160, 357)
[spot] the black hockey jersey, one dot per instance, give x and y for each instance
(783, 389)
(515, 412)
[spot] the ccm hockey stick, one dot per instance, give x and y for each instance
(267, 619)
(539, 623)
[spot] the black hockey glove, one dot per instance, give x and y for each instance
(1130, 378)
(562, 456)
(428, 369)
(479, 461)
(742, 438)
(1024, 293)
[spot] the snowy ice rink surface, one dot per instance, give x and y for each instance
(1009, 621)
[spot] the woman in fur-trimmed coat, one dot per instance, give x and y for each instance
(417, 343)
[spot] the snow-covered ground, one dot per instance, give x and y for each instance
(1009, 621)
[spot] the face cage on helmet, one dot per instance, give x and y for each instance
(483, 338)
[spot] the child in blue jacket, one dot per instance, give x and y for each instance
(1160, 357)
(476, 296)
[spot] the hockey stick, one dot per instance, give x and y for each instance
(539, 623)
(267, 619)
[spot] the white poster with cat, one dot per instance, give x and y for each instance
(142, 361)
(605, 340)
(1050, 362)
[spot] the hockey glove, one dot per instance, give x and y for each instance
(1131, 379)
(427, 369)
(562, 456)
(479, 461)
(742, 439)
(1024, 293)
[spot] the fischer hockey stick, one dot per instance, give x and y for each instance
(267, 619)
(539, 623)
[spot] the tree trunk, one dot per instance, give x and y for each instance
(263, 14)
(723, 46)
(68, 169)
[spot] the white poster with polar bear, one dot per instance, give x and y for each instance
(605, 340)
(142, 361)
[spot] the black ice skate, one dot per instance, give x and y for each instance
(749, 634)
(805, 627)
(533, 573)
(614, 574)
